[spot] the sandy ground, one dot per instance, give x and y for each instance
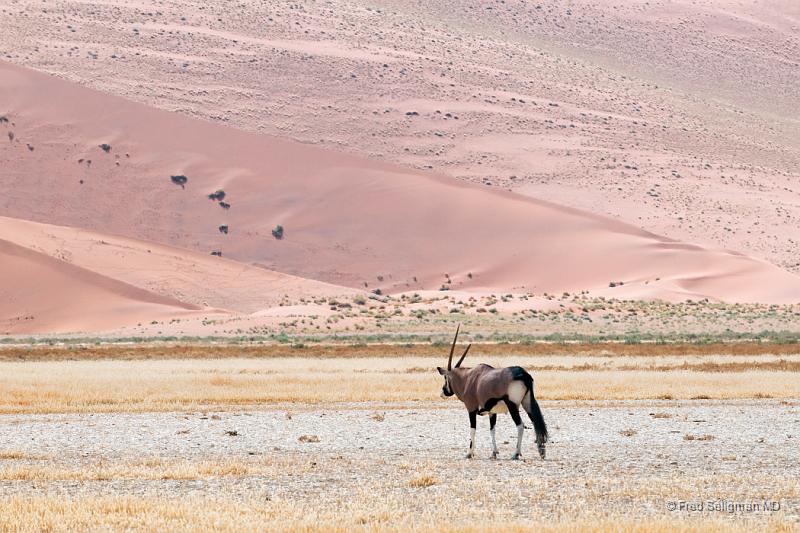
(374, 452)
(674, 116)
(349, 221)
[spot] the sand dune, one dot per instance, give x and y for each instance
(200, 280)
(347, 220)
(677, 117)
(42, 294)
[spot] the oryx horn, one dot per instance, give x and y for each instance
(463, 356)
(452, 349)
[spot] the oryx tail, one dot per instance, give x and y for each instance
(531, 407)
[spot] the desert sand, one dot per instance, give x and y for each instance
(84, 159)
(677, 117)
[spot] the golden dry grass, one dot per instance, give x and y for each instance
(399, 495)
(13, 455)
(103, 513)
(425, 480)
(103, 386)
(152, 469)
(213, 351)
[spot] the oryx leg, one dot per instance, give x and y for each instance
(492, 422)
(513, 410)
(473, 422)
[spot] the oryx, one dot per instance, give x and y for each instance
(487, 391)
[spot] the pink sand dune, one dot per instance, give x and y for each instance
(39, 293)
(201, 280)
(348, 220)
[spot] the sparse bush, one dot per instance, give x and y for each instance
(219, 195)
(217, 253)
(105, 147)
(223, 229)
(225, 205)
(180, 179)
(278, 232)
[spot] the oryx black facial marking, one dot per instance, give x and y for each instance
(447, 391)
(485, 390)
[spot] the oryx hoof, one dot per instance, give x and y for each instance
(470, 455)
(493, 456)
(541, 453)
(516, 456)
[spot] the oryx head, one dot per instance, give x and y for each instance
(447, 389)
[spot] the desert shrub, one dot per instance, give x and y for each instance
(219, 194)
(179, 179)
(105, 147)
(223, 229)
(217, 253)
(277, 232)
(225, 205)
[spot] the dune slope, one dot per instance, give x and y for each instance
(346, 220)
(42, 294)
(200, 280)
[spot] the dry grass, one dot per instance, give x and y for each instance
(385, 495)
(13, 455)
(422, 481)
(211, 351)
(628, 432)
(136, 386)
(689, 436)
(155, 468)
(102, 513)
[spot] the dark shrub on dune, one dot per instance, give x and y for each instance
(180, 179)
